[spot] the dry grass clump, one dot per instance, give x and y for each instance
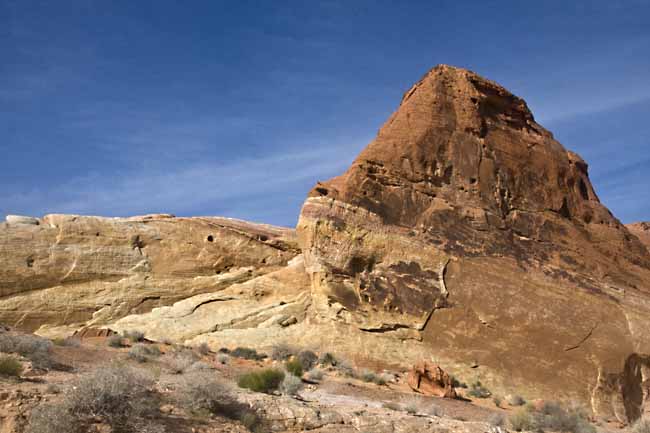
(203, 392)
(477, 390)
(115, 341)
(266, 381)
(36, 349)
(307, 359)
(327, 359)
(497, 420)
(203, 349)
(179, 362)
(291, 384)
(10, 366)
(67, 342)
(315, 375)
(552, 416)
(247, 353)
(515, 400)
(134, 335)
(282, 352)
(143, 352)
(117, 396)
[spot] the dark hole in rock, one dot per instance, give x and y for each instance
(210, 238)
(322, 191)
(30, 262)
(97, 234)
(262, 238)
(472, 180)
(564, 210)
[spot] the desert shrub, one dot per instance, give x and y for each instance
(291, 384)
(371, 376)
(456, 383)
(497, 400)
(345, 368)
(515, 400)
(201, 391)
(294, 367)
(247, 353)
(477, 390)
(32, 347)
(199, 366)
(497, 420)
(53, 418)
(641, 426)
(327, 359)
(114, 341)
(553, 416)
(118, 396)
(315, 375)
(133, 335)
(522, 420)
(222, 358)
(178, 362)
(142, 352)
(307, 359)
(411, 405)
(52, 389)
(10, 366)
(67, 342)
(203, 349)
(282, 352)
(262, 381)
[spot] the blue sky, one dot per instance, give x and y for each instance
(237, 108)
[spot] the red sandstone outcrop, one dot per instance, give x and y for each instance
(467, 225)
(430, 379)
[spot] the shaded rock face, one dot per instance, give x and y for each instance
(71, 270)
(467, 226)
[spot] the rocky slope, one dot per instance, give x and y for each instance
(641, 231)
(463, 234)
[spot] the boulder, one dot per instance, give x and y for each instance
(430, 379)
(19, 219)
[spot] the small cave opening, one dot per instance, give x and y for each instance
(262, 238)
(210, 238)
(30, 262)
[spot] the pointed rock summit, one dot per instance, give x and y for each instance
(465, 225)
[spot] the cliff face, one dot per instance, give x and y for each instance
(464, 233)
(467, 225)
(642, 231)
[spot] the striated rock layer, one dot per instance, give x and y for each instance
(464, 236)
(466, 222)
(72, 271)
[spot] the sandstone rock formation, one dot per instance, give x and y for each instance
(466, 222)
(430, 379)
(641, 231)
(72, 271)
(464, 234)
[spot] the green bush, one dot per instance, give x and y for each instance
(294, 367)
(36, 349)
(10, 366)
(262, 381)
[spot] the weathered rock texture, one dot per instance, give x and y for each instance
(467, 223)
(641, 231)
(72, 271)
(430, 379)
(464, 234)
